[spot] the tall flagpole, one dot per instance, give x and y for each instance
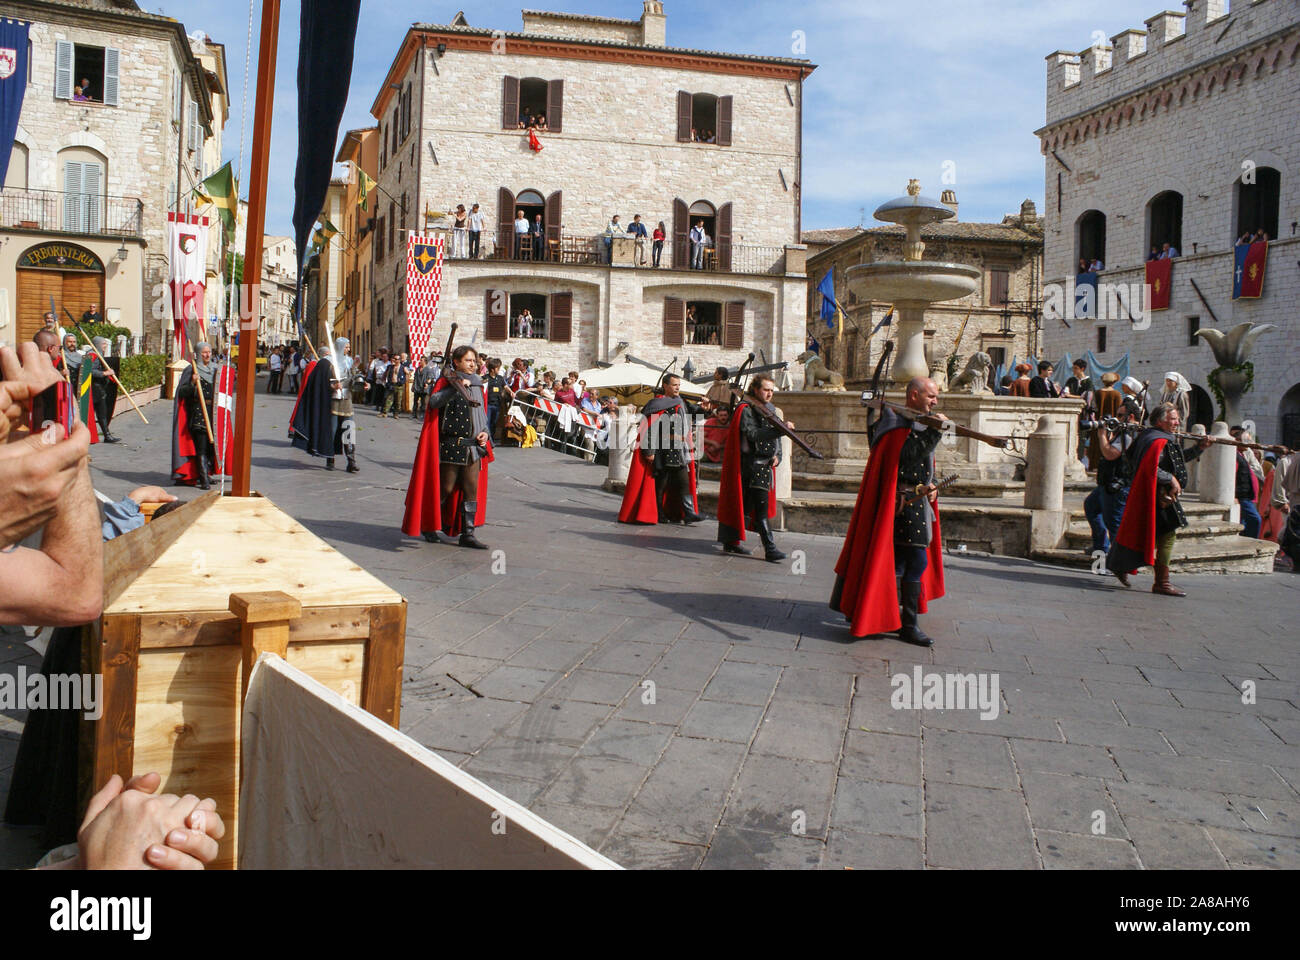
(248, 327)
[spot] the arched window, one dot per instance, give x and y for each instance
(1090, 237)
(83, 173)
(1258, 192)
(1165, 221)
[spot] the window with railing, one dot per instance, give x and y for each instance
(84, 73)
(71, 212)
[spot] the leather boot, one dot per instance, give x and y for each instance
(351, 452)
(467, 538)
(770, 553)
(201, 471)
(688, 510)
(329, 463)
(736, 548)
(910, 606)
(1162, 584)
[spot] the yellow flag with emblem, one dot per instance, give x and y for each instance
(221, 191)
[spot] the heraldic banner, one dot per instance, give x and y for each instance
(187, 248)
(13, 84)
(423, 287)
(1160, 277)
(1248, 270)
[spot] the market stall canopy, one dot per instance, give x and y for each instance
(631, 382)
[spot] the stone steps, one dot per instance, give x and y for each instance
(1220, 553)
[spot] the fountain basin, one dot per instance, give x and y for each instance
(900, 282)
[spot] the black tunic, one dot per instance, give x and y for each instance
(456, 431)
(915, 468)
(760, 449)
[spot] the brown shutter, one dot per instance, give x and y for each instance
(681, 227)
(674, 322)
(723, 135)
(555, 106)
(733, 325)
(998, 286)
(554, 212)
(510, 104)
(496, 322)
(724, 238)
(683, 117)
(561, 317)
(505, 223)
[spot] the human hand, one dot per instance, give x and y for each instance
(150, 495)
(482, 439)
(1175, 488)
(14, 399)
(29, 365)
(198, 842)
(128, 829)
(34, 474)
(789, 424)
(1203, 444)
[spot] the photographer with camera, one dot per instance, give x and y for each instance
(1105, 505)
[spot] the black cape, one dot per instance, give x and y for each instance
(313, 428)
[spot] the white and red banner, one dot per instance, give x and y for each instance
(423, 288)
(187, 249)
(223, 419)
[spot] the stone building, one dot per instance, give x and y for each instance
(1004, 310)
(633, 126)
(1186, 132)
(360, 148)
(83, 212)
(330, 305)
(212, 58)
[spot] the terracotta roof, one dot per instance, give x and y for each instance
(1005, 233)
(833, 235)
(584, 17)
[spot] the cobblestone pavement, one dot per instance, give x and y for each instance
(1121, 738)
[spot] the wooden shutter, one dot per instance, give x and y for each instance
(496, 327)
(683, 117)
(674, 322)
(72, 197)
(733, 325)
(193, 124)
(561, 317)
(62, 70)
(112, 57)
(91, 180)
(723, 135)
(35, 287)
(554, 212)
(80, 290)
(510, 104)
(555, 106)
(681, 227)
(998, 284)
(724, 238)
(505, 220)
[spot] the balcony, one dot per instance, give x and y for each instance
(592, 250)
(56, 211)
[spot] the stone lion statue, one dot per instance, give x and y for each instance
(975, 378)
(815, 374)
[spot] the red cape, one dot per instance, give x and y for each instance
(1135, 541)
(866, 589)
(223, 427)
(302, 385)
(640, 504)
(426, 511)
(731, 493)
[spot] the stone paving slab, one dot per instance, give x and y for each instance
(677, 708)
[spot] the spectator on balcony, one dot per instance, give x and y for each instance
(1154, 254)
(524, 324)
(540, 121)
(92, 314)
(475, 230)
(86, 88)
(1260, 236)
(709, 137)
(660, 235)
(460, 233)
(615, 229)
(521, 234)
(1168, 252)
(79, 96)
(637, 230)
(539, 238)
(690, 323)
(1096, 266)
(1083, 264)
(699, 239)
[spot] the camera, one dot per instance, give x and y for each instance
(870, 396)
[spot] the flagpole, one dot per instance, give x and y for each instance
(243, 445)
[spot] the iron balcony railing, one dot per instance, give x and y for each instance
(63, 212)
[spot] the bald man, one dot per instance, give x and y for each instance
(891, 563)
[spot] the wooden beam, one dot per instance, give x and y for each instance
(243, 445)
(263, 626)
(381, 685)
(115, 657)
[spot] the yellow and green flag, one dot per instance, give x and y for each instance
(364, 186)
(221, 191)
(324, 233)
(86, 411)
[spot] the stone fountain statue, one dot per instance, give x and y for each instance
(1233, 377)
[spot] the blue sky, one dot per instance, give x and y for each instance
(901, 89)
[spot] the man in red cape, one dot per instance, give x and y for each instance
(749, 462)
(1151, 521)
(661, 479)
(448, 488)
(194, 457)
(891, 564)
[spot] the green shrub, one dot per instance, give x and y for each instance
(105, 330)
(142, 371)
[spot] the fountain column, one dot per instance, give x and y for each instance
(910, 358)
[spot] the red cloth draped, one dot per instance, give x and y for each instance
(640, 501)
(1137, 529)
(1159, 278)
(731, 492)
(426, 511)
(533, 143)
(868, 593)
(302, 385)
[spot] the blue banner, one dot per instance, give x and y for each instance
(1085, 296)
(13, 85)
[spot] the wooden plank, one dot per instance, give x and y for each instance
(128, 556)
(264, 606)
(338, 666)
(115, 656)
(385, 652)
(214, 628)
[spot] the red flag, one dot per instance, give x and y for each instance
(533, 143)
(1249, 279)
(1159, 281)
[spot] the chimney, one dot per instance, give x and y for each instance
(654, 25)
(949, 199)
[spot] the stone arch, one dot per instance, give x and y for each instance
(84, 138)
(1288, 417)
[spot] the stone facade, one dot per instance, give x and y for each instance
(360, 149)
(617, 152)
(1189, 105)
(330, 307)
(143, 143)
(1012, 248)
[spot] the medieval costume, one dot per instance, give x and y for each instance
(448, 488)
(1180, 396)
(322, 417)
(891, 564)
(1150, 523)
(61, 403)
(661, 479)
(748, 489)
(1100, 404)
(193, 455)
(103, 387)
